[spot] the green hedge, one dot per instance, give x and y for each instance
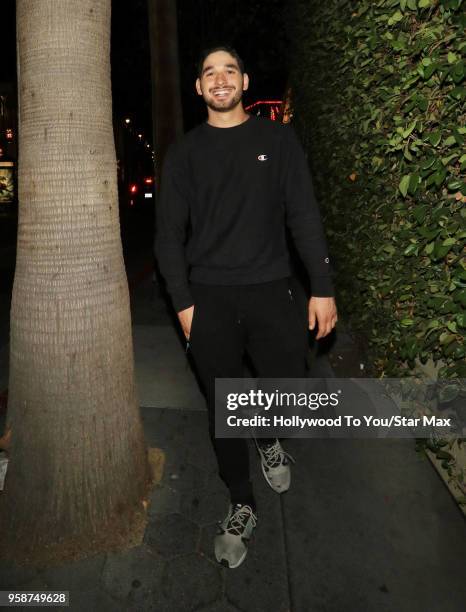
(379, 98)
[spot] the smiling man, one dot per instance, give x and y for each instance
(230, 188)
(222, 94)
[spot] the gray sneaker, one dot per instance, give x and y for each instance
(275, 466)
(234, 532)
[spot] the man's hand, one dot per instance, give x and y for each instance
(324, 311)
(186, 318)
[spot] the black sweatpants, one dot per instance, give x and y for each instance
(264, 320)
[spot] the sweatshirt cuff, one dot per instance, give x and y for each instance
(182, 299)
(322, 286)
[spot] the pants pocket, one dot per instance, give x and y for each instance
(299, 306)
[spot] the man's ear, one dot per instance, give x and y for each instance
(198, 87)
(245, 81)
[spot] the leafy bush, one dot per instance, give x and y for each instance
(379, 99)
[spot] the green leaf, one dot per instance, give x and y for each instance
(411, 347)
(446, 338)
(454, 350)
(411, 249)
(460, 296)
(425, 232)
(440, 250)
(441, 454)
(406, 153)
(447, 159)
(406, 322)
(428, 72)
(396, 17)
(429, 162)
(457, 72)
(389, 248)
(458, 93)
(413, 183)
(419, 213)
(404, 184)
(459, 138)
(439, 176)
(435, 138)
(409, 129)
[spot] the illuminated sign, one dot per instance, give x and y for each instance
(7, 183)
(266, 108)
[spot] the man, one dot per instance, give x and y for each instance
(229, 188)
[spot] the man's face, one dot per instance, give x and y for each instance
(221, 83)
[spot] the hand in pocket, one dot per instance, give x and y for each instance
(186, 319)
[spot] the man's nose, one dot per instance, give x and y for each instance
(220, 78)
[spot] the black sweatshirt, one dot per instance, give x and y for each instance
(226, 195)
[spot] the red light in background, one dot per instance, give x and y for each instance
(9, 134)
(148, 181)
(133, 188)
(270, 108)
(251, 106)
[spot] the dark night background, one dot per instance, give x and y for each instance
(7, 41)
(255, 29)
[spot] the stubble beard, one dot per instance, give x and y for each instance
(218, 107)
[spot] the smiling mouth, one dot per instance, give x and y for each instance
(221, 93)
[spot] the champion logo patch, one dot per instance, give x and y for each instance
(262, 157)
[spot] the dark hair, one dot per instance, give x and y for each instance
(225, 48)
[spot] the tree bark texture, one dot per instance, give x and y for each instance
(78, 459)
(166, 96)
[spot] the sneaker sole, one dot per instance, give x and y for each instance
(225, 563)
(270, 484)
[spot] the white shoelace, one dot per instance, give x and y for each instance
(239, 520)
(274, 455)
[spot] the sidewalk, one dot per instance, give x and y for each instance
(367, 525)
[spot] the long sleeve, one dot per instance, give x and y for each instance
(303, 215)
(172, 218)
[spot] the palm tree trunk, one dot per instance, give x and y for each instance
(78, 460)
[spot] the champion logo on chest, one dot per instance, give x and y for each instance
(262, 157)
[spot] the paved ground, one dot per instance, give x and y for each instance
(367, 525)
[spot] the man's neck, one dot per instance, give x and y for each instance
(228, 119)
